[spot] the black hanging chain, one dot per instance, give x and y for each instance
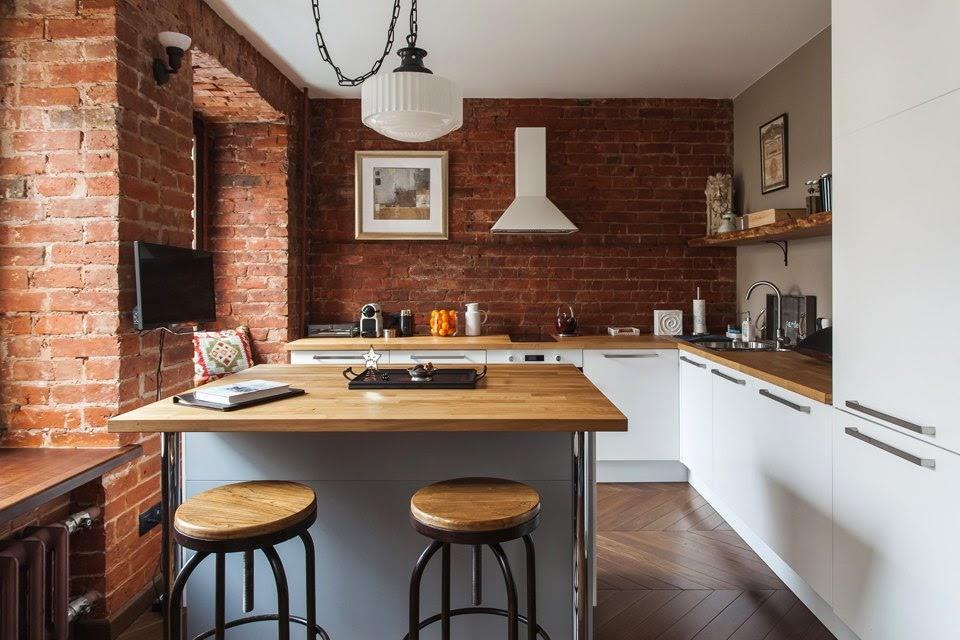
(345, 81)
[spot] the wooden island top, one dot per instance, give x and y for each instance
(511, 398)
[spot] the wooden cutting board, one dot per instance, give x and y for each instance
(769, 216)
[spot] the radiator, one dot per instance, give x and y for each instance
(35, 582)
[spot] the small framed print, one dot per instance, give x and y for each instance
(401, 195)
(773, 155)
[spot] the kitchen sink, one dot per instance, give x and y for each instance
(740, 346)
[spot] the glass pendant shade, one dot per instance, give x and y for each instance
(411, 106)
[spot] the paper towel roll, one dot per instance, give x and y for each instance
(699, 317)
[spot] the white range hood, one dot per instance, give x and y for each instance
(531, 211)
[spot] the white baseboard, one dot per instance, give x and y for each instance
(820, 607)
(641, 471)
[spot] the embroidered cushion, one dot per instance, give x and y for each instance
(219, 353)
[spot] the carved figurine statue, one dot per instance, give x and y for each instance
(719, 194)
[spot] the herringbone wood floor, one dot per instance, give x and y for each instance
(670, 568)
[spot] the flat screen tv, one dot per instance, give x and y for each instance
(174, 285)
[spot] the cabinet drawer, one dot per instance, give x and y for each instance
(334, 357)
(896, 527)
(439, 356)
(643, 384)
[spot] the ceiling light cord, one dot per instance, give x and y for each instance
(345, 81)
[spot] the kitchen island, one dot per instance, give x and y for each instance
(365, 453)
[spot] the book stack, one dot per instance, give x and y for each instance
(241, 392)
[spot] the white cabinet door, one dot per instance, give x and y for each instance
(696, 416)
(642, 383)
(895, 249)
(334, 357)
(890, 55)
(736, 455)
(439, 356)
(793, 506)
(896, 532)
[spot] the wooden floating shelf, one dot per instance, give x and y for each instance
(812, 226)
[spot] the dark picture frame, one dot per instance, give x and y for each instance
(774, 155)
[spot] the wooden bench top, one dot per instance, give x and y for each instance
(29, 477)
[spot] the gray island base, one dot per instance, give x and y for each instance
(366, 547)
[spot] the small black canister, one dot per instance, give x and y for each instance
(406, 323)
(826, 192)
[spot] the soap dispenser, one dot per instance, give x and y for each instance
(746, 330)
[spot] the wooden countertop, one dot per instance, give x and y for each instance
(511, 398)
(798, 373)
(795, 372)
(481, 342)
(31, 477)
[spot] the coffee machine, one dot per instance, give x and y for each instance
(371, 320)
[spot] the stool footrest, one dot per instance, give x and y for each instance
(269, 617)
(465, 611)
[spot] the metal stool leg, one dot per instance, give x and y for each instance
(477, 575)
(513, 623)
(283, 594)
(176, 595)
(415, 588)
(311, 576)
(531, 589)
(220, 594)
(445, 595)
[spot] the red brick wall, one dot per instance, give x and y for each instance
(629, 173)
(93, 155)
(248, 203)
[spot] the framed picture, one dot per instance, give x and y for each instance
(401, 195)
(773, 155)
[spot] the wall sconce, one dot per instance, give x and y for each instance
(174, 44)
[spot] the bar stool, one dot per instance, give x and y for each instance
(242, 518)
(477, 512)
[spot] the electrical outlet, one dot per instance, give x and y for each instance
(149, 518)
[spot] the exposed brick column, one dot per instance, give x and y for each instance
(94, 155)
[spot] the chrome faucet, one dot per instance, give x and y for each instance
(780, 338)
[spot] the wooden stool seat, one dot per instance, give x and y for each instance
(475, 504)
(245, 510)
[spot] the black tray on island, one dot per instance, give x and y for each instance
(393, 378)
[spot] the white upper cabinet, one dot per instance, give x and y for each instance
(696, 416)
(895, 262)
(896, 557)
(642, 383)
(890, 55)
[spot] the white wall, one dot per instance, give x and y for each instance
(800, 87)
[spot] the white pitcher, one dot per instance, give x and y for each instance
(474, 319)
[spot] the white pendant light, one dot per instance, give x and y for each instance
(409, 104)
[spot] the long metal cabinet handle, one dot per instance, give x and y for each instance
(337, 357)
(784, 401)
(454, 357)
(926, 463)
(900, 422)
(631, 355)
(717, 372)
(699, 365)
